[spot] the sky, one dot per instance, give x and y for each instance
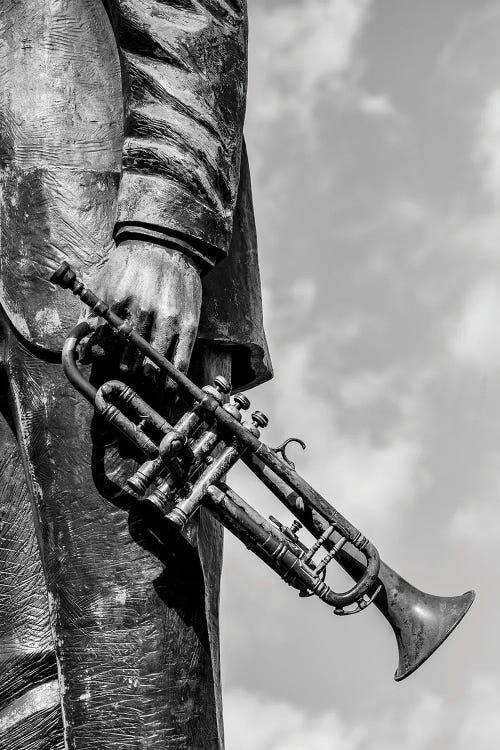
(373, 130)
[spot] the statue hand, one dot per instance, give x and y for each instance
(158, 290)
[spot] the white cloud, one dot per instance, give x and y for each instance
(365, 473)
(304, 53)
(365, 477)
(477, 521)
(359, 390)
(469, 524)
(303, 292)
(480, 723)
(426, 212)
(475, 337)
(373, 480)
(433, 723)
(488, 146)
(476, 239)
(255, 723)
(405, 210)
(469, 55)
(376, 105)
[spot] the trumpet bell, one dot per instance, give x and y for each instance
(421, 622)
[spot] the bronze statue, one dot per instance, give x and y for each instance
(121, 152)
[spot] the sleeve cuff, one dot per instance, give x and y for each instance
(205, 256)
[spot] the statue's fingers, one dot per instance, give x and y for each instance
(132, 358)
(86, 345)
(163, 339)
(183, 349)
(164, 334)
(87, 315)
(101, 341)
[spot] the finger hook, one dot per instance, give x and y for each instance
(281, 449)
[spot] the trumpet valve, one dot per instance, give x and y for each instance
(222, 385)
(219, 389)
(259, 419)
(239, 404)
(241, 401)
(290, 532)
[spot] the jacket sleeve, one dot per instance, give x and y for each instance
(184, 72)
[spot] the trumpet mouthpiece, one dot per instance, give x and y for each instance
(64, 276)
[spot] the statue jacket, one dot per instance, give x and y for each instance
(124, 118)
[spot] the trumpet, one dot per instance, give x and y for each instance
(186, 465)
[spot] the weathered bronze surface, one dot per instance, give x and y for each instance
(135, 623)
(120, 120)
(183, 474)
(117, 115)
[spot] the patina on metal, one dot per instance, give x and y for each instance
(185, 470)
(120, 124)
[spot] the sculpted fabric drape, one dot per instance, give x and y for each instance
(127, 115)
(184, 80)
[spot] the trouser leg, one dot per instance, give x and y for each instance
(136, 631)
(29, 696)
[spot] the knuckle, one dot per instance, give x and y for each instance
(171, 322)
(182, 364)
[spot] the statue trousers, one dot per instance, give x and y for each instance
(108, 636)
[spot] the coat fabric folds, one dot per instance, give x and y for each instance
(124, 117)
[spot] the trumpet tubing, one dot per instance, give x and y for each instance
(186, 466)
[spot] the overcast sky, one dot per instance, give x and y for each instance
(373, 129)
